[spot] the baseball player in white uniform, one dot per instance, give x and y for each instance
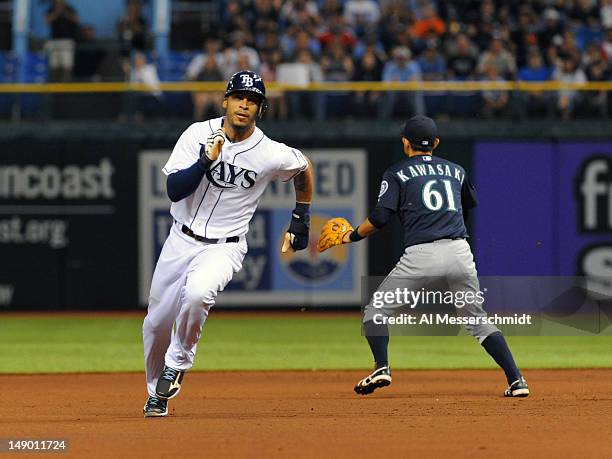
(216, 175)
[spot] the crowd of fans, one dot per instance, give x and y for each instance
(405, 40)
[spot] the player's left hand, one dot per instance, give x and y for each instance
(297, 236)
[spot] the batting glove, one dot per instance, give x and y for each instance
(211, 150)
(299, 228)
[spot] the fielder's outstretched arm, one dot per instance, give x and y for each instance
(378, 218)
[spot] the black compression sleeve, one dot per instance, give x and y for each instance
(182, 183)
(380, 216)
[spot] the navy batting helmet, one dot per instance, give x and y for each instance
(248, 81)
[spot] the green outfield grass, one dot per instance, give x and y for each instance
(50, 344)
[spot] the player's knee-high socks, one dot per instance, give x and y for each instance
(378, 339)
(497, 348)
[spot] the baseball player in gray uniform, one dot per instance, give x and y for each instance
(216, 175)
(431, 196)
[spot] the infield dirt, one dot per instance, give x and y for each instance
(316, 414)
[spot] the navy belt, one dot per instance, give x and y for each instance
(186, 230)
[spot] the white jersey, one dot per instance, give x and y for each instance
(225, 201)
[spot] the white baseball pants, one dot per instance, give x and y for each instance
(187, 278)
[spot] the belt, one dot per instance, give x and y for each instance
(186, 230)
(437, 240)
(448, 239)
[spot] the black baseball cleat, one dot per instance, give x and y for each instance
(169, 383)
(518, 388)
(155, 407)
(381, 377)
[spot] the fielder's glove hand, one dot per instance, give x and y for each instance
(333, 233)
(297, 236)
(212, 148)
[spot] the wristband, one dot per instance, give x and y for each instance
(302, 208)
(354, 236)
(205, 161)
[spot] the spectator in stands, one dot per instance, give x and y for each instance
(552, 29)
(231, 55)
(498, 56)
(432, 64)
(277, 108)
(267, 10)
(606, 14)
(336, 63)
(64, 23)
(535, 102)
(337, 30)
(234, 18)
(268, 43)
(88, 56)
(299, 12)
(591, 54)
(132, 29)
(433, 68)
(367, 68)
(329, 8)
(337, 66)
(484, 25)
(584, 12)
(568, 46)
(429, 24)
(361, 14)
(369, 41)
(462, 61)
(298, 41)
(402, 68)
(307, 103)
(206, 67)
(143, 103)
(210, 48)
(524, 35)
(597, 70)
(606, 45)
(495, 100)
(568, 72)
(395, 19)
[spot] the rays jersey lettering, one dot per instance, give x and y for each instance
(226, 198)
(227, 175)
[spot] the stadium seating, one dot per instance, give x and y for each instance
(7, 75)
(173, 68)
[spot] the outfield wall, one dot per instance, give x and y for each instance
(82, 219)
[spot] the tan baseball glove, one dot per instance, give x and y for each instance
(332, 233)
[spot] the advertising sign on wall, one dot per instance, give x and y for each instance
(545, 209)
(64, 219)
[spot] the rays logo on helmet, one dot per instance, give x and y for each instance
(247, 80)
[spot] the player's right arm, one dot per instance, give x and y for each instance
(182, 182)
(388, 203)
(337, 232)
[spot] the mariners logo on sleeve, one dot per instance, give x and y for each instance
(384, 186)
